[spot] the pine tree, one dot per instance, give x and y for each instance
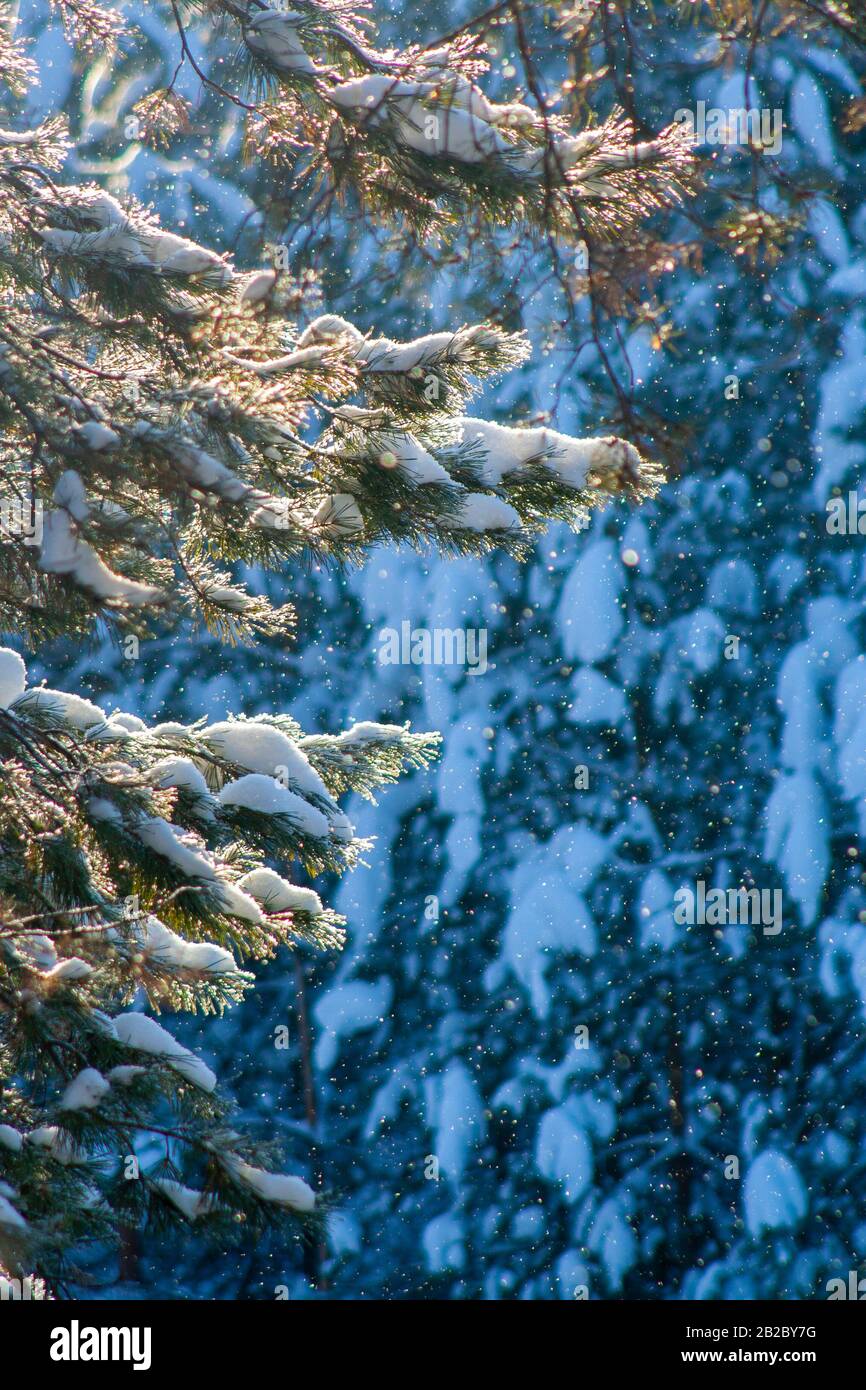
(167, 422)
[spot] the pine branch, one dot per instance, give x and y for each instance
(132, 866)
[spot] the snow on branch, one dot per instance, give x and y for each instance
(166, 416)
(133, 870)
(425, 114)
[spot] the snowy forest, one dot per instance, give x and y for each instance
(432, 762)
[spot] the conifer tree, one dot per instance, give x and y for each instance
(168, 422)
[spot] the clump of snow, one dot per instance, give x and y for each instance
(327, 328)
(612, 1239)
(443, 1241)
(272, 35)
(72, 968)
(455, 1114)
(773, 1193)
(188, 1201)
(277, 895)
(38, 950)
(237, 903)
(69, 492)
(85, 1090)
(268, 797)
(146, 1035)
(500, 449)
(563, 1151)
(385, 355)
(181, 772)
(455, 89)
(100, 808)
(547, 915)
(189, 855)
(579, 463)
(283, 1189)
(261, 747)
(81, 714)
(125, 240)
(403, 451)
(170, 731)
(349, 1007)
(95, 436)
(63, 552)
(49, 1137)
(655, 912)
(11, 1138)
(163, 945)
(479, 512)
(589, 612)
(124, 1075)
(340, 515)
(170, 254)
(703, 640)
(44, 1136)
(273, 513)
(13, 677)
(130, 722)
(366, 731)
(200, 468)
(596, 700)
(457, 133)
(183, 850)
(10, 1217)
(110, 732)
(258, 286)
(342, 828)
(797, 838)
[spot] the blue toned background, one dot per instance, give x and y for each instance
(530, 1080)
